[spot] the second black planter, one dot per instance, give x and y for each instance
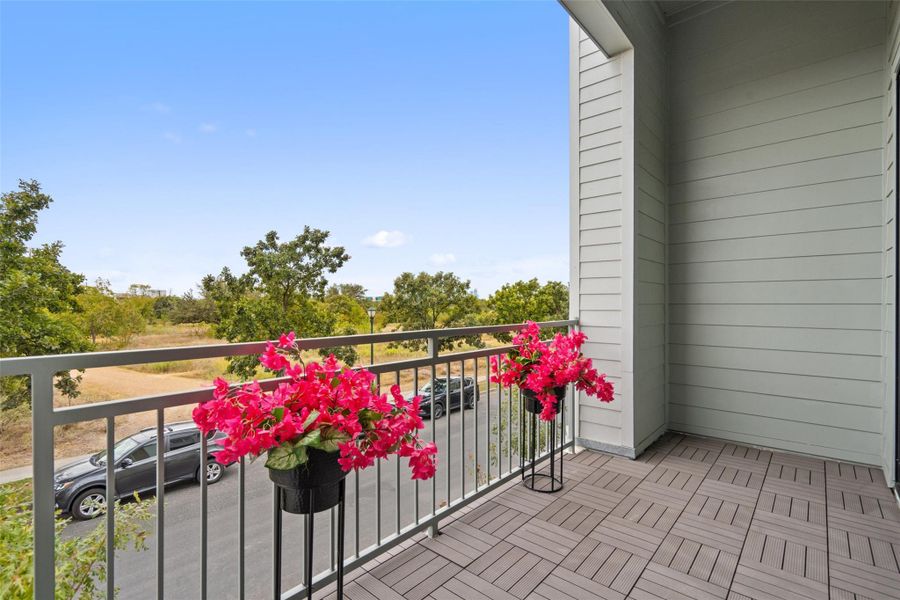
(319, 479)
(534, 406)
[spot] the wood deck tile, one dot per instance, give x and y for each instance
(726, 492)
(693, 519)
(628, 467)
(563, 584)
(572, 516)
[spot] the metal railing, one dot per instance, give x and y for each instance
(490, 457)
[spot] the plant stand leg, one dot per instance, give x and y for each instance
(340, 542)
(308, 551)
(553, 453)
(276, 558)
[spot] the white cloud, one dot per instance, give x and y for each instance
(250, 133)
(173, 137)
(208, 128)
(158, 107)
(442, 259)
(386, 239)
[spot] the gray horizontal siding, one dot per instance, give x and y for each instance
(775, 236)
(597, 108)
(888, 108)
(646, 30)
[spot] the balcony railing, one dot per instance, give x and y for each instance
(468, 468)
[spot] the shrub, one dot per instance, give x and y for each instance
(80, 561)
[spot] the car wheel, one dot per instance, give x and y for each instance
(214, 472)
(89, 505)
(470, 403)
(438, 411)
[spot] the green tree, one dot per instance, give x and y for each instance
(97, 306)
(426, 301)
(351, 290)
(528, 301)
(38, 295)
(287, 270)
(80, 560)
(189, 309)
(129, 318)
(348, 313)
(283, 290)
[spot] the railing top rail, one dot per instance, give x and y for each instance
(87, 360)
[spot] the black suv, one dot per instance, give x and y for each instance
(436, 392)
(81, 486)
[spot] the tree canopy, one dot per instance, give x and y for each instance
(529, 300)
(282, 290)
(427, 301)
(38, 295)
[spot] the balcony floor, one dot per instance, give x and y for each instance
(692, 518)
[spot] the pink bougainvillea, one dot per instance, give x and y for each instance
(323, 406)
(540, 367)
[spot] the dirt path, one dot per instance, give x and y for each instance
(98, 385)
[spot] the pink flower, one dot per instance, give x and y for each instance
(272, 360)
(340, 402)
(286, 341)
(541, 367)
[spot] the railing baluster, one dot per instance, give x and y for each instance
(448, 403)
(241, 504)
(397, 473)
(462, 429)
(160, 505)
(487, 425)
(356, 514)
(509, 402)
(378, 483)
(499, 430)
(204, 534)
(475, 427)
(416, 393)
(110, 508)
(433, 351)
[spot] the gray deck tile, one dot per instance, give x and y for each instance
(692, 519)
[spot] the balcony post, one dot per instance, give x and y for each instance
(44, 504)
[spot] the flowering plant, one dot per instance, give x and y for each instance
(540, 367)
(323, 406)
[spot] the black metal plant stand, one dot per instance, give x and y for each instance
(308, 542)
(531, 480)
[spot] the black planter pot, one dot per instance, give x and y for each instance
(534, 406)
(320, 478)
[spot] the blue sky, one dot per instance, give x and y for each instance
(424, 136)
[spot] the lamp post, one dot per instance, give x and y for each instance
(371, 311)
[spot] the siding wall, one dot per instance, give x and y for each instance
(645, 27)
(619, 225)
(892, 58)
(597, 227)
(776, 222)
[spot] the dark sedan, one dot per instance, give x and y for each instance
(81, 486)
(436, 392)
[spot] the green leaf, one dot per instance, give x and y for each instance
(300, 453)
(310, 420)
(310, 439)
(330, 438)
(279, 413)
(284, 457)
